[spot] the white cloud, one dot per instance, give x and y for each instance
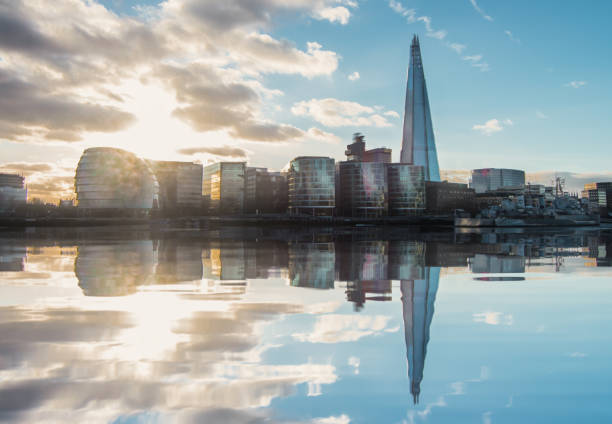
(511, 36)
(339, 113)
(578, 355)
(392, 113)
(320, 135)
(474, 58)
(493, 318)
(341, 419)
(479, 10)
(459, 48)
(335, 328)
(338, 14)
(576, 84)
(541, 115)
(492, 126)
(354, 362)
(411, 17)
(354, 76)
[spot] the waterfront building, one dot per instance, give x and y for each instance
(266, 192)
(406, 189)
(114, 181)
(444, 197)
(599, 196)
(13, 191)
(180, 184)
(362, 189)
(492, 179)
(312, 189)
(223, 188)
(418, 298)
(418, 142)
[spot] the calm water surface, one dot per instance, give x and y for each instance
(322, 326)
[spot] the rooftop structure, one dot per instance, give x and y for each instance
(418, 142)
(356, 151)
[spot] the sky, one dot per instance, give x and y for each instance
(517, 84)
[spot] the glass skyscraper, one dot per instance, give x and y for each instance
(418, 143)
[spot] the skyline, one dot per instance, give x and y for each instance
(303, 76)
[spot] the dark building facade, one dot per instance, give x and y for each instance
(406, 189)
(223, 188)
(444, 197)
(362, 189)
(312, 186)
(266, 192)
(599, 196)
(180, 185)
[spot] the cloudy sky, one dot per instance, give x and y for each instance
(515, 84)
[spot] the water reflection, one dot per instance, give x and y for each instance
(139, 326)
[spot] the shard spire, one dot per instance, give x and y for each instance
(418, 298)
(418, 143)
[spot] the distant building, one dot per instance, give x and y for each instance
(312, 188)
(266, 192)
(444, 197)
(491, 179)
(406, 189)
(418, 142)
(599, 197)
(362, 189)
(12, 191)
(223, 188)
(356, 151)
(114, 181)
(180, 184)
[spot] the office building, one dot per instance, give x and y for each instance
(223, 188)
(180, 185)
(418, 142)
(266, 192)
(599, 196)
(12, 191)
(312, 186)
(109, 179)
(444, 198)
(491, 179)
(406, 189)
(362, 189)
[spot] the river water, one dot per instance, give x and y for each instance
(321, 326)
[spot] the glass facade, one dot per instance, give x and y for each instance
(406, 189)
(108, 178)
(266, 192)
(491, 179)
(180, 184)
(223, 188)
(418, 142)
(312, 186)
(362, 189)
(12, 191)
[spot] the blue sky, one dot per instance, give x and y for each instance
(511, 84)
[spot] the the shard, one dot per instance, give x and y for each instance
(418, 143)
(418, 297)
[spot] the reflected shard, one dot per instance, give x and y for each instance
(418, 143)
(418, 297)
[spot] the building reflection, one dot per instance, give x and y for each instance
(225, 260)
(178, 261)
(12, 258)
(114, 269)
(312, 263)
(418, 298)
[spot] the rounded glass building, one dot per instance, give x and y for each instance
(114, 179)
